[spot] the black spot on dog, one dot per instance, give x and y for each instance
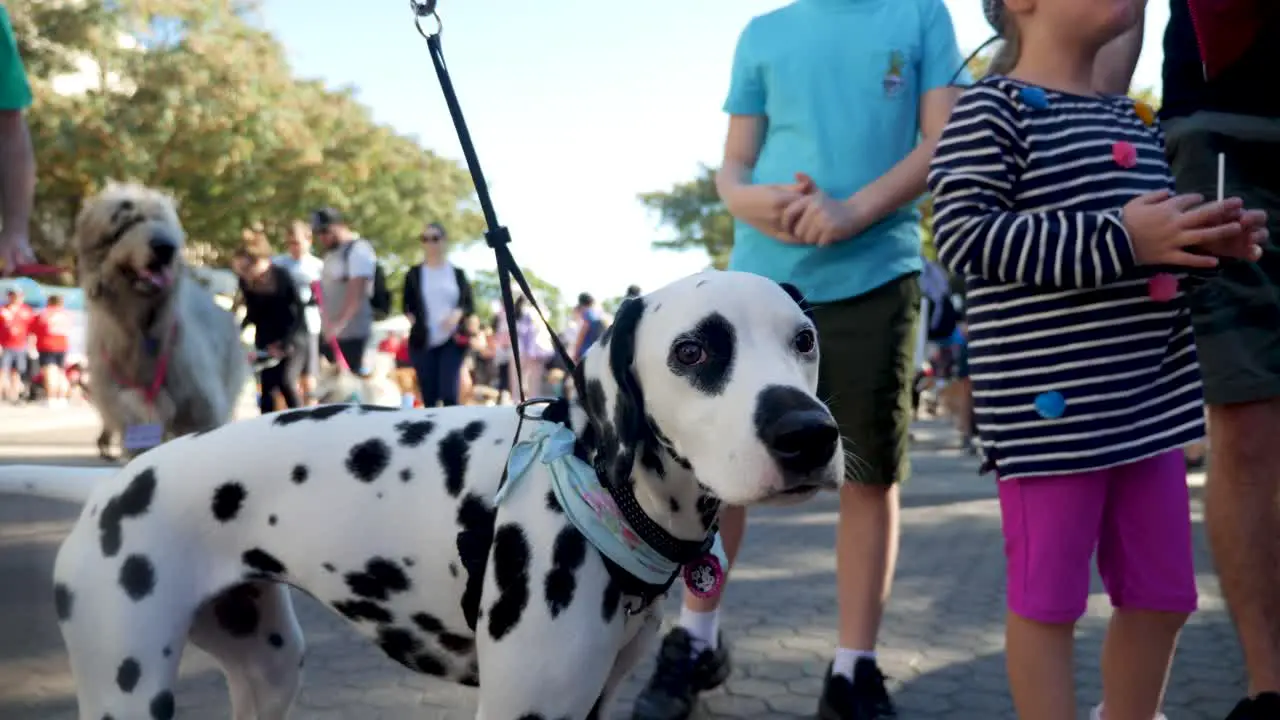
(719, 341)
(162, 706)
(470, 677)
(511, 574)
(399, 644)
(473, 430)
(474, 540)
(271, 519)
(317, 413)
(369, 459)
(167, 651)
(414, 432)
(455, 452)
(611, 601)
(456, 644)
(800, 299)
(408, 561)
(63, 600)
(329, 567)
(227, 501)
(427, 622)
(566, 557)
(453, 569)
(263, 562)
(673, 504)
(133, 501)
(378, 580)
(237, 611)
(553, 503)
(406, 475)
(377, 409)
(275, 640)
(137, 577)
(363, 610)
(499, 441)
(299, 474)
(128, 675)
(429, 664)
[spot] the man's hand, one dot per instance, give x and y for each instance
(761, 206)
(332, 329)
(816, 218)
(15, 249)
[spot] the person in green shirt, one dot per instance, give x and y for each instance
(17, 158)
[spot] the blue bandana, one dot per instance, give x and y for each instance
(591, 509)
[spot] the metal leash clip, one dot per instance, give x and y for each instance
(423, 9)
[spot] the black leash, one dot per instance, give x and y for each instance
(496, 236)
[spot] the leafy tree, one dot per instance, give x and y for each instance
(191, 96)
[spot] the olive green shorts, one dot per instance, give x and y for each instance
(865, 372)
(1236, 310)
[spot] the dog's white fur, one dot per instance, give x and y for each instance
(142, 304)
(388, 517)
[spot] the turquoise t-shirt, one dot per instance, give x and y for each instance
(840, 83)
(15, 93)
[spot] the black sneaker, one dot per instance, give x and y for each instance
(679, 676)
(1265, 706)
(865, 698)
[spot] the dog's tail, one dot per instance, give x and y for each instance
(56, 482)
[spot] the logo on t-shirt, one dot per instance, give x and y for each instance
(893, 77)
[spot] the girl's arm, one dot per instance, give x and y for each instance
(977, 231)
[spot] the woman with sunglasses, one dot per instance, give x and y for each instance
(437, 300)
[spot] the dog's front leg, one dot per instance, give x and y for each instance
(641, 645)
(536, 600)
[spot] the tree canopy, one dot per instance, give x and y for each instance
(193, 97)
(695, 218)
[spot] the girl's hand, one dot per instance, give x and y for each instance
(1164, 227)
(1247, 245)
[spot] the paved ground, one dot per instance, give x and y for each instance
(941, 640)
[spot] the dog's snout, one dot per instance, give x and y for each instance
(802, 440)
(796, 429)
(163, 249)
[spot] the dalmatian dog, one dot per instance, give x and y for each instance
(702, 392)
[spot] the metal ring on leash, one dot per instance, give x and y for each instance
(423, 9)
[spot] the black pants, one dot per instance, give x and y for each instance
(438, 370)
(352, 350)
(282, 378)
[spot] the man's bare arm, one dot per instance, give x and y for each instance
(1113, 69)
(17, 172)
(905, 182)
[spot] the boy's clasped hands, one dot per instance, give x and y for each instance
(799, 213)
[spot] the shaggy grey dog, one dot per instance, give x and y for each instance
(161, 350)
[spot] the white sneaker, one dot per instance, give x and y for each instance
(1097, 714)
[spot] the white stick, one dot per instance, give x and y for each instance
(1222, 172)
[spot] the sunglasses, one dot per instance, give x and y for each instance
(431, 237)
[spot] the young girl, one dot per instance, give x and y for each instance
(1055, 203)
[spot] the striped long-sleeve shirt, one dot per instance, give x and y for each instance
(1075, 365)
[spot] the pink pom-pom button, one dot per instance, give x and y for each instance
(1162, 287)
(1125, 154)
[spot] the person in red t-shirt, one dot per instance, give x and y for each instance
(52, 329)
(15, 329)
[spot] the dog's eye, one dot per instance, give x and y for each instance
(688, 352)
(805, 341)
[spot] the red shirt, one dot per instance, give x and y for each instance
(52, 329)
(15, 326)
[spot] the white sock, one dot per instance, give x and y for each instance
(846, 659)
(703, 626)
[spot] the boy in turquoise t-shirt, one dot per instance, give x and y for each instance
(834, 109)
(17, 159)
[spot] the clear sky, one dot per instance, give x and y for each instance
(575, 106)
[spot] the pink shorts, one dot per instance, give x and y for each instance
(1138, 516)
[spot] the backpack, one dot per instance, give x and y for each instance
(380, 298)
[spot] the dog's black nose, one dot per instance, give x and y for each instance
(163, 249)
(798, 431)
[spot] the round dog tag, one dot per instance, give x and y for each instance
(704, 577)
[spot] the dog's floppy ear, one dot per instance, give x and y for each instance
(798, 296)
(629, 419)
